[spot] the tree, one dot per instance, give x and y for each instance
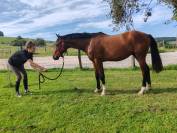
(122, 11)
(40, 42)
(19, 41)
(1, 33)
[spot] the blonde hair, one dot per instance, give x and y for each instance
(29, 44)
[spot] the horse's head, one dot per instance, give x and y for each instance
(60, 48)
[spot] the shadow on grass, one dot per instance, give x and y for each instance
(121, 91)
(65, 91)
(163, 90)
(109, 92)
(135, 91)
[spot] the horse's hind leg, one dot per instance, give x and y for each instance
(145, 74)
(148, 85)
(102, 77)
(99, 71)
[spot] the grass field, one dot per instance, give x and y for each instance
(6, 40)
(69, 104)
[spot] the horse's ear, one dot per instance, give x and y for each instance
(58, 35)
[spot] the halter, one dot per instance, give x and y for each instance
(62, 47)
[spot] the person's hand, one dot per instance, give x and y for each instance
(42, 69)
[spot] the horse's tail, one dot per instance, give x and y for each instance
(155, 57)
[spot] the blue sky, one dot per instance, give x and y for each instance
(44, 18)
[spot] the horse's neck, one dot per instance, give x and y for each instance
(80, 45)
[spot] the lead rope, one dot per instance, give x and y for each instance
(42, 77)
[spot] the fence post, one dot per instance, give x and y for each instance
(163, 43)
(45, 48)
(79, 58)
(133, 61)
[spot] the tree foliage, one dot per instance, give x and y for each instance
(19, 41)
(122, 11)
(40, 42)
(1, 33)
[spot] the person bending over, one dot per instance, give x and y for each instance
(16, 64)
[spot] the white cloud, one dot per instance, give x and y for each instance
(96, 24)
(61, 13)
(40, 15)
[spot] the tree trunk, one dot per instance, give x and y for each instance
(133, 61)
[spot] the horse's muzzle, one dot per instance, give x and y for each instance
(55, 57)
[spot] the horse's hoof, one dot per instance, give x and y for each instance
(103, 93)
(140, 93)
(97, 90)
(148, 87)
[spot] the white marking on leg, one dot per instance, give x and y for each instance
(148, 87)
(97, 90)
(141, 92)
(103, 91)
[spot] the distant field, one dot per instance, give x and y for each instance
(6, 40)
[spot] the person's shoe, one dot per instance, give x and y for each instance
(19, 95)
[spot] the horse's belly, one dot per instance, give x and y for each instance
(117, 55)
(116, 58)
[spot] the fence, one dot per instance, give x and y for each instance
(4, 53)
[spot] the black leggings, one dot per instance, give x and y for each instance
(18, 71)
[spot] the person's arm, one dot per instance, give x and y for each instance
(36, 66)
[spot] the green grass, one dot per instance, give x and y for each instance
(69, 104)
(6, 40)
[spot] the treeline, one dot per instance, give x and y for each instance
(19, 41)
(1, 33)
(166, 39)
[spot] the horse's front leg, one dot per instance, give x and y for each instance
(98, 88)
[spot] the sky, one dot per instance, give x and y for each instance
(45, 18)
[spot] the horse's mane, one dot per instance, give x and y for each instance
(82, 35)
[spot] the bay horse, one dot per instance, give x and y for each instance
(101, 47)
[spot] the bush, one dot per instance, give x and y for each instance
(1, 33)
(40, 42)
(19, 41)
